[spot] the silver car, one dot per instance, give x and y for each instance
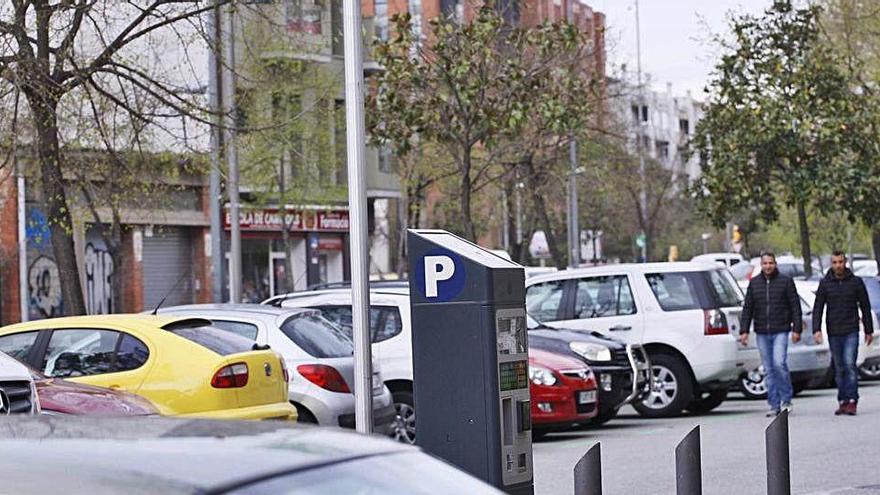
(317, 353)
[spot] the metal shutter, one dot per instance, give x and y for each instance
(167, 259)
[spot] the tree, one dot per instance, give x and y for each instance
(777, 120)
(58, 54)
(850, 27)
(464, 91)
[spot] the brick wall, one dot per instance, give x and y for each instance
(10, 310)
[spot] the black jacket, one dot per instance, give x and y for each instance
(772, 304)
(844, 298)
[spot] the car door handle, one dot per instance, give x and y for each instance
(619, 328)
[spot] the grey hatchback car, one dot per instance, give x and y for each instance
(317, 353)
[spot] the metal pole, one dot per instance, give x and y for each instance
(21, 206)
(588, 472)
(357, 206)
(778, 466)
(214, 180)
(643, 195)
(231, 156)
(574, 251)
(688, 474)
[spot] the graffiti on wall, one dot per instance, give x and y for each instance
(99, 287)
(44, 288)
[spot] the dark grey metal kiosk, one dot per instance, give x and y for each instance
(470, 358)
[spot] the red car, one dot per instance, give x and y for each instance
(64, 397)
(563, 392)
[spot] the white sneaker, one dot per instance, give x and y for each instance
(772, 413)
(787, 407)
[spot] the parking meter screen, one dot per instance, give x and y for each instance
(511, 335)
(513, 375)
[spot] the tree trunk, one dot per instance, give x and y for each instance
(52, 182)
(875, 243)
(510, 198)
(804, 229)
(467, 224)
(543, 217)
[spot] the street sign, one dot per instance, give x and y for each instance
(641, 240)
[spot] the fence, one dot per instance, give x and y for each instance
(688, 469)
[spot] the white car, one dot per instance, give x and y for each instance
(723, 259)
(316, 353)
(18, 394)
(865, 268)
(684, 314)
(392, 337)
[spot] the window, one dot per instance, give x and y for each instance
(635, 113)
(317, 336)
(644, 113)
(381, 20)
(599, 297)
(214, 339)
(246, 330)
(386, 160)
(385, 321)
(132, 353)
(725, 288)
(18, 345)
(543, 300)
(684, 126)
(674, 291)
(81, 352)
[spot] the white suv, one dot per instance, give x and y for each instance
(685, 315)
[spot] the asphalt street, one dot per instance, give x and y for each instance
(829, 455)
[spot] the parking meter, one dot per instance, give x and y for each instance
(470, 358)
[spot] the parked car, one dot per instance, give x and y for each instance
(87, 456)
(390, 326)
(870, 369)
(563, 392)
(788, 265)
(734, 262)
(679, 313)
(313, 349)
(808, 362)
(621, 370)
(59, 396)
(184, 366)
(865, 268)
(18, 395)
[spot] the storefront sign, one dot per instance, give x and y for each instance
(271, 220)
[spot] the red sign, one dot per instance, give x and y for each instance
(271, 220)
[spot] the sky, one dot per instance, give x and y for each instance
(675, 34)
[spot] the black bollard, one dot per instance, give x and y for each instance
(688, 473)
(778, 466)
(588, 472)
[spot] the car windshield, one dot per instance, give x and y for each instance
(317, 336)
(220, 341)
(410, 473)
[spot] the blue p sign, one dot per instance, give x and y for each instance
(440, 275)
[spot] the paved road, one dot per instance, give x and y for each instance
(829, 455)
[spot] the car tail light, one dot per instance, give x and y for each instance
(232, 376)
(284, 371)
(716, 322)
(324, 376)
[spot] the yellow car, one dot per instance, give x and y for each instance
(184, 366)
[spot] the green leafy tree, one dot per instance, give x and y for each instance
(777, 121)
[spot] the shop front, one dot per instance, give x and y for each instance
(318, 244)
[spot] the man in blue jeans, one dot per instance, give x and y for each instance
(845, 295)
(772, 303)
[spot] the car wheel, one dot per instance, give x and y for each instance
(539, 434)
(403, 429)
(797, 388)
(303, 415)
(870, 372)
(671, 389)
(707, 402)
(753, 385)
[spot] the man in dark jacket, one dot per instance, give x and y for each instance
(845, 295)
(772, 304)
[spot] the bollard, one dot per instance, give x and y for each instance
(688, 473)
(778, 466)
(588, 472)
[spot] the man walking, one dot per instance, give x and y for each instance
(845, 295)
(773, 305)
